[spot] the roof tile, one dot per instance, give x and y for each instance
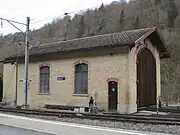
(120, 38)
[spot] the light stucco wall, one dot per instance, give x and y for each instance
(132, 75)
(62, 92)
(121, 66)
(9, 82)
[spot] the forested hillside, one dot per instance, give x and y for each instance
(118, 16)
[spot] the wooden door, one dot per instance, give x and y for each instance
(146, 78)
(112, 93)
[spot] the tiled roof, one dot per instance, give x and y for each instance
(107, 40)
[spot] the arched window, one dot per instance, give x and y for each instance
(44, 79)
(81, 78)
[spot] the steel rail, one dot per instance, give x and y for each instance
(105, 117)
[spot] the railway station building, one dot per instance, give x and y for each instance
(121, 71)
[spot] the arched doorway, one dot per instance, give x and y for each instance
(112, 93)
(146, 78)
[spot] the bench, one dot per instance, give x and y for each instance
(65, 107)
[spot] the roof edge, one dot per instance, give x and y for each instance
(14, 58)
(154, 29)
(167, 50)
(146, 35)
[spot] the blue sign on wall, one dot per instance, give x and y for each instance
(60, 78)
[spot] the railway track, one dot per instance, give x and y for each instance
(106, 117)
(164, 110)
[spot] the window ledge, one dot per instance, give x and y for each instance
(81, 95)
(44, 93)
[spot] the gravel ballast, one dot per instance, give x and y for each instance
(169, 129)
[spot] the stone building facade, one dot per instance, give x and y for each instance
(104, 67)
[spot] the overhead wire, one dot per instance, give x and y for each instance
(94, 26)
(110, 20)
(82, 10)
(10, 21)
(107, 21)
(66, 13)
(19, 7)
(90, 9)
